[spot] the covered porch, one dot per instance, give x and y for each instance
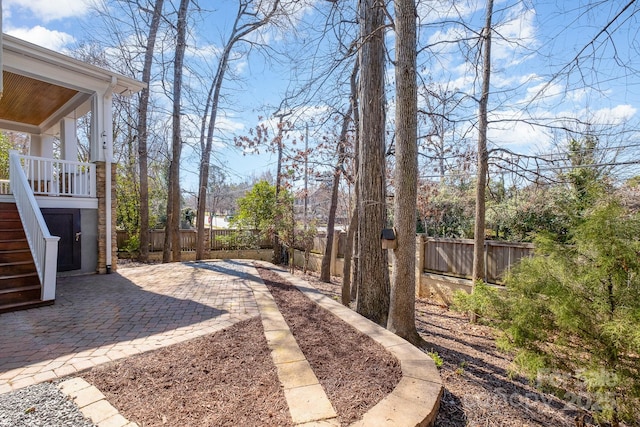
(62, 180)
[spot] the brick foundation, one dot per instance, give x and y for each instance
(102, 218)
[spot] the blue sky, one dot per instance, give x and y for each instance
(60, 25)
(534, 43)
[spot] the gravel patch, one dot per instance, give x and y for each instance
(40, 405)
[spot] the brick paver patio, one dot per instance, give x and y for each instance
(100, 318)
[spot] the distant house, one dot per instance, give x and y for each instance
(44, 95)
(318, 203)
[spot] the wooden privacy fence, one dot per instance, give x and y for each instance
(454, 257)
(234, 239)
(188, 240)
(320, 243)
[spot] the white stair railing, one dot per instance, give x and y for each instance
(44, 246)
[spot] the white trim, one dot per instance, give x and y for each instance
(19, 52)
(65, 110)
(66, 202)
(19, 127)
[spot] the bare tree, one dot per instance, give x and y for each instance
(403, 279)
(172, 230)
(246, 9)
(373, 278)
(325, 268)
(143, 106)
(350, 268)
(483, 156)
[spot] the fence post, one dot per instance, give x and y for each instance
(420, 249)
(486, 261)
(334, 252)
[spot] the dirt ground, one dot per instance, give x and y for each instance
(478, 389)
(229, 379)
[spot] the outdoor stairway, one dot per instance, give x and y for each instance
(19, 283)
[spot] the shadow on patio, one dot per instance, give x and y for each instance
(102, 311)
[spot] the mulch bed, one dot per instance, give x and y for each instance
(224, 379)
(229, 379)
(355, 371)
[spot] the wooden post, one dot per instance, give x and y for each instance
(420, 250)
(334, 252)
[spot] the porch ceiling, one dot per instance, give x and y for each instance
(30, 101)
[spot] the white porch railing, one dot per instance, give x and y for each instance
(51, 177)
(5, 188)
(44, 246)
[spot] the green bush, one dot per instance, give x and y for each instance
(575, 308)
(132, 245)
(483, 302)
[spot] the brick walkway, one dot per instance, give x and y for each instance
(99, 318)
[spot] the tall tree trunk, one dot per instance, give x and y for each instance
(143, 108)
(172, 231)
(205, 160)
(239, 31)
(278, 250)
(349, 292)
(373, 293)
(325, 268)
(350, 270)
(403, 279)
(483, 157)
(237, 34)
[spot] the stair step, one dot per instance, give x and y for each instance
(11, 244)
(6, 214)
(19, 295)
(8, 222)
(15, 255)
(17, 267)
(17, 280)
(23, 305)
(20, 289)
(12, 234)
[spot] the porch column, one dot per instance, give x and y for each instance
(68, 139)
(40, 174)
(41, 146)
(102, 155)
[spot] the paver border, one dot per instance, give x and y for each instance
(416, 399)
(307, 401)
(93, 404)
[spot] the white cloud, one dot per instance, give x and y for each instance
(617, 115)
(51, 39)
(508, 130)
(515, 38)
(48, 10)
(543, 93)
(432, 11)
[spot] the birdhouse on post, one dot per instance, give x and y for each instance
(388, 238)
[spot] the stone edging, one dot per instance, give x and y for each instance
(93, 404)
(307, 401)
(416, 398)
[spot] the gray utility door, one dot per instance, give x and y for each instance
(65, 223)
